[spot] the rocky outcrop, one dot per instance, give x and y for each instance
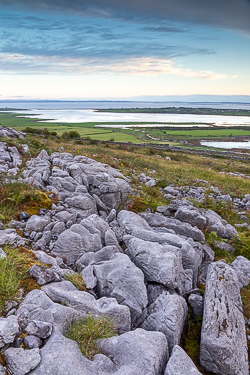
(139, 271)
(7, 132)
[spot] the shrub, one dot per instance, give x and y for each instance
(87, 331)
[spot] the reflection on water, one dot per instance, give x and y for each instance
(226, 145)
(87, 115)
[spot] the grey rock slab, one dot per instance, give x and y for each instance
(66, 293)
(217, 224)
(85, 202)
(32, 341)
(196, 302)
(191, 215)
(61, 355)
(44, 240)
(159, 263)
(242, 268)
(129, 219)
(137, 352)
(110, 239)
(37, 223)
(74, 242)
(2, 370)
(91, 258)
(38, 306)
(180, 363)
(10, 237)
(10, 133)
(44, 275)
(40, 329)
(223, 347)
(121, 279)
(9, 328)
(20, 361)
(58, 228)
(167, 314)
(89, 277)
(95, 224)
(184, 229)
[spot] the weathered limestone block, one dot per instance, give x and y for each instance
(74, 242)
(167, 314)
(61, 355)
(20, 361)
(223, 337)
(217, 224)
(180, 363)
(159, 263)
(9, 328)
(93, 258)
(242, 268)
(159, 222)
(121, 279)
(65, 292)
(137, 352)
(39, 307)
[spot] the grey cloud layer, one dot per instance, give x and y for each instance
(224, 13)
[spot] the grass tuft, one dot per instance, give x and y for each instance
(77, 280)
(87, 331)
(14, 274)
(16, 196)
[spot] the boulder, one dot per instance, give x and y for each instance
(32, 342)
(242, 267)
(20, 361)
(9, 328)
(93, 258)
(167, 314)
(39, 329)
(121, 279)
(159, 263)
(66, 293)
(61, 355)
(44, 275)
(216, 224)
(74, 242)
(37, 306)
(37, 223)
(223, 347)
(137, 352)
(180, 363)
(191, 215)
(160, 222)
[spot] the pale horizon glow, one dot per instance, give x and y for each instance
(121, 51)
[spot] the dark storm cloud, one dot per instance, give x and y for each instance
(222, 13)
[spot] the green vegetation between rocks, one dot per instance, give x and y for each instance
(17, 196)
(14, 274)
(86, 332)
(77, 280)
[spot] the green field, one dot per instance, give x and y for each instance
(182, 110)
(168, 133)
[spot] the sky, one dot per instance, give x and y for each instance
(123, 49)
